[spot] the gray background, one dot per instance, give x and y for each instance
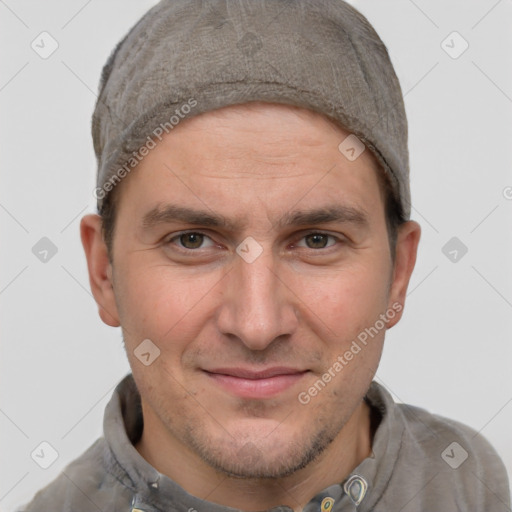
(451, 353)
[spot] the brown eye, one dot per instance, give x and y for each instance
(316, 240)
(191, 240)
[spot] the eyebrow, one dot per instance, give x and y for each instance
(166, 214)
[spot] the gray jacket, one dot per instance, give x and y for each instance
(420, 462)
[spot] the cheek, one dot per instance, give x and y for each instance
(346, 301)
(158, 303)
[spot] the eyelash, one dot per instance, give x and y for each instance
(176, 237)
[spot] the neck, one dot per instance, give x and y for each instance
(347, 451)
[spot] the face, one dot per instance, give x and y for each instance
(253, 254)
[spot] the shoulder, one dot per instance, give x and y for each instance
(429, 462)
(460, 460)
(429, 430)
(83, 485)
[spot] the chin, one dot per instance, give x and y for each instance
(263, 457)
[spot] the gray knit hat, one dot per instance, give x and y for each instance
(185, 57)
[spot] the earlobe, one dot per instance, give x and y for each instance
(100, 268)
(408, 238)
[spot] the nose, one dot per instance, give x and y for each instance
(257, 305)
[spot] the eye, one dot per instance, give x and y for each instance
(317, 241)
(192, 240)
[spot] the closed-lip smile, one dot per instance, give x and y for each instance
(256, 383)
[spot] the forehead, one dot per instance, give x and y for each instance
(268, 149)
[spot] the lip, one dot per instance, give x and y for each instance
(248, 383)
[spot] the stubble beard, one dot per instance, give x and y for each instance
(261, 458)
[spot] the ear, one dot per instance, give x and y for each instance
(408, 238)
(100, 268)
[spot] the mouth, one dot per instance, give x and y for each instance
(248, 383)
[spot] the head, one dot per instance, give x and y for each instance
(323, 273)
(263, 265)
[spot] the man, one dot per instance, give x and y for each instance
(254, 245)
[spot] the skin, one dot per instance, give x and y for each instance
(298, 305)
